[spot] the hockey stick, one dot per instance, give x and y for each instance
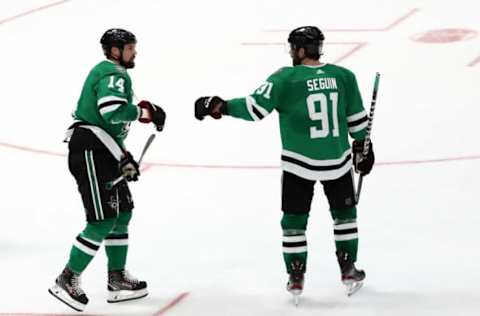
(150, 139)
(366, 144)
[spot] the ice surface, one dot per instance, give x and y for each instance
(214, 232)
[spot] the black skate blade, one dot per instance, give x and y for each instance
(57, 295)
(114, 297)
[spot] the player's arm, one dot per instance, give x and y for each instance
(357, 120)
(357, 117)
(257, 105)
(253, 107)
(114, 107)
(112, 101)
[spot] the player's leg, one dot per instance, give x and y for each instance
(341, 197)
(121, 285)
(92, 168)
(297, 196)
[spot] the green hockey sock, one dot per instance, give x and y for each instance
(345, 231)
(87, 244)
(294, 240)
(116, 243)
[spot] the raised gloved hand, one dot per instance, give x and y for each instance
(362, 164)
(213, 106)
(152, 113)
(129, 167)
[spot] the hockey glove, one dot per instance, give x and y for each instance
(362, 164)
(129, 167)
(213, 106)
(152, 113)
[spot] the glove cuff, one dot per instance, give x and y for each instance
(145, 115)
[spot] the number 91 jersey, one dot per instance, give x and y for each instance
(318, 107)
(106, 100)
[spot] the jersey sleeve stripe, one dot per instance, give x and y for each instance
(106, 104)
(110, 98)
(109, 108)
(357, 122)
(257, 113)
(253, 108)
(358, 128)
(356, 116)
(249, 101)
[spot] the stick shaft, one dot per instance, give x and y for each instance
(366, 144)
(150, 139)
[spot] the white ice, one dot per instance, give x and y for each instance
(214, 233)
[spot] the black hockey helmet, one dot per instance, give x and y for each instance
(309, 38)
(117, 38)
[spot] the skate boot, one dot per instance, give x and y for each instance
(351, 277)
(67, 289)
(296, 280)
(123, 287)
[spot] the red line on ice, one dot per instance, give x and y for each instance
(350, 52)
(380, 29)
(44, 314)
(170, 305)
(162, 311)
(357, 47)
(474, 62)
(31, 11)
(149, 165)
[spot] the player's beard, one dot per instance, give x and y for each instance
(128, 64)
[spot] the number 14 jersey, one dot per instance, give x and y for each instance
(318, 107)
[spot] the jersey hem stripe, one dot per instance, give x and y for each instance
(316, 175)
(317, 162)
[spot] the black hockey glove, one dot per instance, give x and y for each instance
(129, 167)
(213, 106)
(362, 164)
(155, 114)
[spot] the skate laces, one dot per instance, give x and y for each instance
(76, 282)
(128, 277)
(123, 276)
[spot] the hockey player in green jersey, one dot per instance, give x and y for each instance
(319, 106)
(97, 155)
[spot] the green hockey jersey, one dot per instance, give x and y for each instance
(318, 107)
(106, 101)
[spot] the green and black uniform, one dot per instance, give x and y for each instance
(318, 108)
(96, 145)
